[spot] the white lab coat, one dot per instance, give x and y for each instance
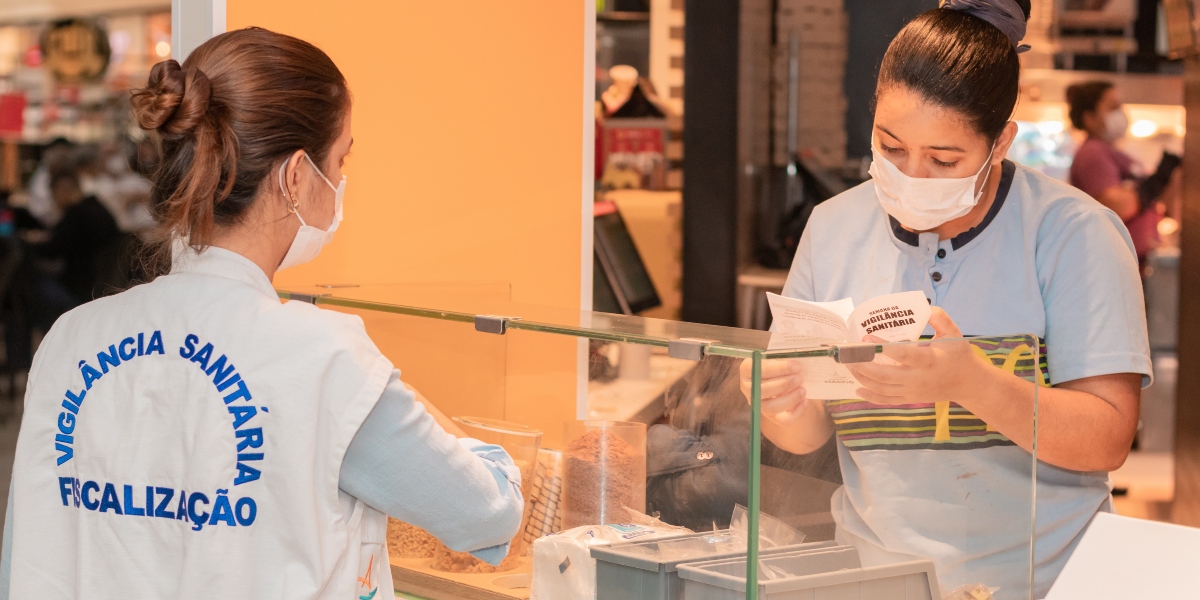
(183, 439)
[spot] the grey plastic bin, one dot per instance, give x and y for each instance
(647, 570)
(831, 574)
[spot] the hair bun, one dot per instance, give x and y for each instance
(174, 101)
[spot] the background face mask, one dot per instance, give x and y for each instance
(922, 203)
(1115, 124)
(309, 240)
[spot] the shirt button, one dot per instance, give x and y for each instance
(936, 277)
(941, 253)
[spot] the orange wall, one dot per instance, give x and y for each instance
(468, 129)
(468, 166)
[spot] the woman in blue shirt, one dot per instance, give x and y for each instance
(998, 249)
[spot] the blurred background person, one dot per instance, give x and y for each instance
(57, 157)
(1113, 177)
(106, 173)
(80, 253)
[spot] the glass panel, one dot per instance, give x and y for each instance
(699, 466)
(462, 371)
(444, 301)
(920, 472)
(918, 462)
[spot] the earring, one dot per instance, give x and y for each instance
(294, 205)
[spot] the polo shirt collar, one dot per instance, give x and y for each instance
(1007, 170)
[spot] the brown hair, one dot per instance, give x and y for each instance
(1084, 97)
(240, 104)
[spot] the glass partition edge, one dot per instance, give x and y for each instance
(537, 326)
(387, 308)
(1037, 349)
(595, 334)
(755, 497)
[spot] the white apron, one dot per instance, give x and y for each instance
(183, 439)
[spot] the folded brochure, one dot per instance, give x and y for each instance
(899, 317)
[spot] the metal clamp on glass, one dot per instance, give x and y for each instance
(688, 348)
(853, 353)
(309, 298)
(493, 323)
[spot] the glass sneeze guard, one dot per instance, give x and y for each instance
(918, 489)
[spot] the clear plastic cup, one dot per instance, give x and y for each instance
(522, 444)
(520, 441)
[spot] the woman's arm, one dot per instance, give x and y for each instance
(442, 420)
(1083, 425)
(803, 431)
(790, 420)
(1121, 199)
(1095, 171)
(402, 463)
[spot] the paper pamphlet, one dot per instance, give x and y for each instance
(900, 317)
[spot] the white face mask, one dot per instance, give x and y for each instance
(1115, 124)
(309, 240)
(922, 203)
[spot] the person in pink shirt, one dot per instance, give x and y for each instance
(1105, 173)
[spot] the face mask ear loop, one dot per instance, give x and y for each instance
(293, 205)
(988, 164)
(320, 174)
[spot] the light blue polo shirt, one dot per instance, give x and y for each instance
(1047, 260)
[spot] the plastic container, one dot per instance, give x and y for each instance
(520, 441)
(604, 471)
(522, 444)
(544, 497)
(649, 570)
(832, 573)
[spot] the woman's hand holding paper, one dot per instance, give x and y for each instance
(927, 372)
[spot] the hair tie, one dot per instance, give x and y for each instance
(1005, 15)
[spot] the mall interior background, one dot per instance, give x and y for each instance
(736, 92)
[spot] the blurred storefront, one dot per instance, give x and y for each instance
(1047, 142)
(65, 72)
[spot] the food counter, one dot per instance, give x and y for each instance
(698, 464)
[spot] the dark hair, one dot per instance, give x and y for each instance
(239, 105)
(957, 61)
(1084, 97)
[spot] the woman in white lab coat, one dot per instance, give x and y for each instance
(194, 437)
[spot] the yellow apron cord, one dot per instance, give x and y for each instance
(984, 355)
(941, 412)
(1010, 366)
(1023, 351)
